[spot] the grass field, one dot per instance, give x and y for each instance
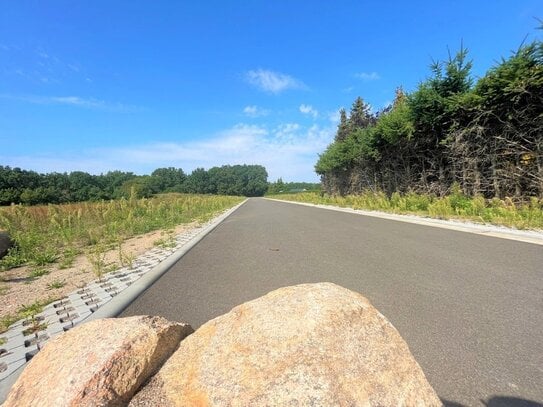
(454, 206)
(58, 233)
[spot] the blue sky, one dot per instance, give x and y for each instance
(133, 85)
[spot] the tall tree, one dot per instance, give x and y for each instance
(360, 116)
(343, 126)
(167, 179)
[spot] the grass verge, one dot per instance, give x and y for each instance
(455, 206)
(57, 233)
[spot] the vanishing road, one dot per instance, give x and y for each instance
(469, 306)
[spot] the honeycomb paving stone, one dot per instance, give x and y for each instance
(82, 317)
(65, 310)
(102, 298)
(12, 335)
(62, 303)
(54, 328)
(75, 299)
(13, 366)
(36, 341)
(14, 355)
(30, 354)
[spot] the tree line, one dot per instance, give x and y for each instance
(484, 136)
(281, 187)
(30, 187)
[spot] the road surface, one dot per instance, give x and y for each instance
(470, 307)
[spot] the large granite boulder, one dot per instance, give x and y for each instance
(100, 363)
(311, 344)
(5, 243)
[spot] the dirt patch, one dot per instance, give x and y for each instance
(17, 288)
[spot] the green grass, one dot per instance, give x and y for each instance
(56, 285)
(8, 320)
(57, 233)
(25, 312)
(38, 272)
(454, 206)
(167, 241)
(68, 257)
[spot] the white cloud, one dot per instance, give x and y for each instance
(289, 151)
(74, 67)
(42, 54)
(309, 110)
(75, 101)
(273, 82)
(40, 65)
(88, 103)
(368, 76)
(286, 132)
(255, 111)
(334, 116)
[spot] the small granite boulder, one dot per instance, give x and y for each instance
(307, 345)
(100, 363)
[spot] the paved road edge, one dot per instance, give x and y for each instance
(127, 296)
(120, 302)
(482, 230)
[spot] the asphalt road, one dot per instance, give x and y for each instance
(470, 307)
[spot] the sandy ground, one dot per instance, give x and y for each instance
(18, 289)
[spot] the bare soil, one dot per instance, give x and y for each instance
(17, 288)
